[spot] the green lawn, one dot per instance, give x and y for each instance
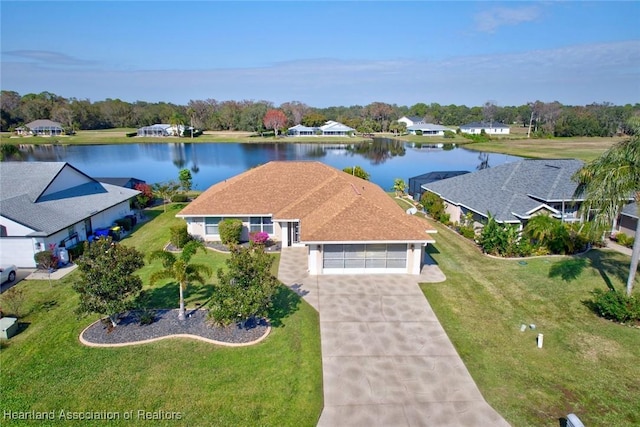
(587, 365)
(118, 136)
(275, 383)
(583, 148)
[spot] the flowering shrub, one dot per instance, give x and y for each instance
(259, 238)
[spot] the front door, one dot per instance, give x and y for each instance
(294, 233)
(87, 227)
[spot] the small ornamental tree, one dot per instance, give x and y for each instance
(165, 191)
(145, 197)
(245, 288)
(46, 259)
(274, 119)
(185, 179)
(107, 284)
(357, 171)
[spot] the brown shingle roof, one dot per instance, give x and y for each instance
(330, 204)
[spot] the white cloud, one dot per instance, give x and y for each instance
(488, 21)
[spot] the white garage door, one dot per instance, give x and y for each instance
(18, 251)
(365, 258)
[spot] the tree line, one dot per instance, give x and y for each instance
(544, 119)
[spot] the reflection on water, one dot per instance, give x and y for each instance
(383, 159)
(379, 150)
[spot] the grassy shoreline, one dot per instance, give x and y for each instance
(516, 144)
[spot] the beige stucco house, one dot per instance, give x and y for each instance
(347, 224)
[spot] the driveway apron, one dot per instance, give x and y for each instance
(386, 360)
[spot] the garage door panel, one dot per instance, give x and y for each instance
(369, 257)
(354, 263)
(376, 263)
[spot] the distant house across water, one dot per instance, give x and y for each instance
(162, 129)
(490, 128)
(43, 127)
(330, 128)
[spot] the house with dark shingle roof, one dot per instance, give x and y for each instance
(490, 128)
(53, 203)
(513, 192)
(347, 224)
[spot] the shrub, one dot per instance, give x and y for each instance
(125, 223)
(615, 305)
(179, 198)
(434, 206)
(46, 259)
(259, 238)
(625, 240)
(179, 236)
(467, 232)
(230, 231)
(144, 314)
(449, 134)
(76, 251)
(12, 300)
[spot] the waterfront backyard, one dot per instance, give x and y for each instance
(587, 365)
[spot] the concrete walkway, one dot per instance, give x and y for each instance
(386, 359)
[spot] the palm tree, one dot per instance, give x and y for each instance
(540, 228)
(180, 269)
(399, 186)
(611, 181)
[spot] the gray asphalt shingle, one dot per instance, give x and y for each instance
(512, 188)
(21, 200)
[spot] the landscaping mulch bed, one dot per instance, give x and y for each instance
(218, 246)
(166, 323)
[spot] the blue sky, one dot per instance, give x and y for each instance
(325, 53)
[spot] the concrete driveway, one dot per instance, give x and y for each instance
(386, 359)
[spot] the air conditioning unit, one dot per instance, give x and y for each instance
(574, 421)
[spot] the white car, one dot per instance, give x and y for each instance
(8, 273)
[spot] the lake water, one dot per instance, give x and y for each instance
(210, 163)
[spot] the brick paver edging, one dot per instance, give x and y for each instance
(195, 337)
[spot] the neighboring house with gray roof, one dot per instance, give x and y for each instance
(41, 127)
(513, 192)
(628, 221)
(53, 203)
(330, 128)
(428, 129)
(490, 128)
